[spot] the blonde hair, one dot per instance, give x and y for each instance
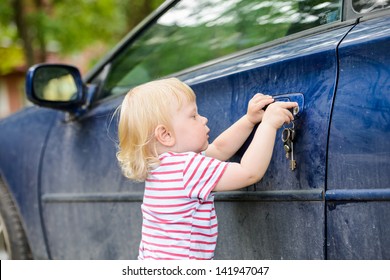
(142, 110)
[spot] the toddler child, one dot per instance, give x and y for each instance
(164, 141)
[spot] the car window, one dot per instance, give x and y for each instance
(194, 32)
(366, 6)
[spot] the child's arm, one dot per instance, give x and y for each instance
(228, 143)
(257, 157)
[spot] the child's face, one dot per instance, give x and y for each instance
(190, 129)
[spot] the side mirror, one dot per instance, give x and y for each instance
(56, 86)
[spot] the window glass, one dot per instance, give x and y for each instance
(193, 32)
(366, 6)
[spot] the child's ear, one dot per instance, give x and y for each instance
(164, 136)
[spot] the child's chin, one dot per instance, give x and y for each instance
(205, 147)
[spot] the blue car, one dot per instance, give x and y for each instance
(63, 195)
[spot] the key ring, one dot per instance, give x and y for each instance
(286, 134)
(292, 127)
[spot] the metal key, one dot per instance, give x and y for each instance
(293, 163)
(288, 136)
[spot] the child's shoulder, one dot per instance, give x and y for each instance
(179, 155)
(177, 158)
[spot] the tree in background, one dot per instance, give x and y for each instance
(30, 29)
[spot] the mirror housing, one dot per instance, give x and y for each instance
(57, 86)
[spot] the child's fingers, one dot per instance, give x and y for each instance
(282, 109)
(259, 96)
(287, 105)
(261, 100)
(287, 115)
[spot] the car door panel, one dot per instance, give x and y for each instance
(89, 208)
(358, 198)
(358, 230)
(283, 199)
(97, 228)
(270, 230)
(26, 150)
(312, 73)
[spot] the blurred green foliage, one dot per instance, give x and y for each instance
(36, 27)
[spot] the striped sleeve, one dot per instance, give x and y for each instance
(201, 174)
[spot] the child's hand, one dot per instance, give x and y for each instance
(255, 107)
(277, 113)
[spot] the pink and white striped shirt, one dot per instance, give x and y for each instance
(179, 219)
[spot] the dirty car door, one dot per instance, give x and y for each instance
(358, 204)
(86, 207)
(282, 217)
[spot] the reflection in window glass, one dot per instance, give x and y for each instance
(194, 32)
(366, 6)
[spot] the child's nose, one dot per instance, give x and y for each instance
(205, 120)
